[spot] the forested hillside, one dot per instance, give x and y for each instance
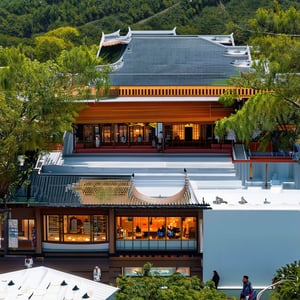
(20, 20)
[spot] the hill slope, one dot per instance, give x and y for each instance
(22, 19)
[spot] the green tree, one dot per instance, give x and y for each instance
(290, 286)
(36, 108)
(176, 287)
(51, 44)
(274, 111)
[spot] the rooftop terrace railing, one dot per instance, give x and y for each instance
(165, 91)
(187, 91)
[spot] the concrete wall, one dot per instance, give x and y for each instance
(255, 243)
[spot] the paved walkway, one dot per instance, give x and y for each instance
(111, 267)
(80, 266)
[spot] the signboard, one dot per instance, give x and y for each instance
(12, 233)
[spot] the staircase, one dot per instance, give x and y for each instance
(207, 171)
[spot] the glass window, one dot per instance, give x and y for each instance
(178, 132)
(76, 228)
(156, 228)
(99, 228)
(125, 228)
(106, 134)
(173, 227)
(52, 228)
(26, 228)
(189, 228)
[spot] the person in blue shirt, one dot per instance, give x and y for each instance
(248, 293)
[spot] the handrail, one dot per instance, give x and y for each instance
(268, 287)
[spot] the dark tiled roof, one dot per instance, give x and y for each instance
(74, 190)
(52, 190)
(174, 60)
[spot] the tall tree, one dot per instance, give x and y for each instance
(274, 111)
(49, 45)
(36, 107)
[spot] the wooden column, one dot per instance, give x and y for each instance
(38, 227)
(112, 231)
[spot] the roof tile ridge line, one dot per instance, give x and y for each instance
(115, 65)
(192, 192)
(116, 37)
(151, 32)
(177, 198)
(100, 44)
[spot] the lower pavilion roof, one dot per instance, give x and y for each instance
(102, 191)
(210, 175)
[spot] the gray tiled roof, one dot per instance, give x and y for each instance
(174, 60)
(60, 190)
(51, 190)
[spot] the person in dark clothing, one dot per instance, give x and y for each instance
(248, 292)
(216, 278)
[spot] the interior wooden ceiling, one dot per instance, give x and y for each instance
(171, 112)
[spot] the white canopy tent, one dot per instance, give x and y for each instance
(41, 283)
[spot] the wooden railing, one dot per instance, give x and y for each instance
(175, 91)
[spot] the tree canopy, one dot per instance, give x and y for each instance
(37, 107)
(274, 111)
(22, 20)
(289, 288)
(176, 287)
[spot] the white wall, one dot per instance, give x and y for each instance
(250, 242)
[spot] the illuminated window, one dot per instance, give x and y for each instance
(75, 228)
(155, 228)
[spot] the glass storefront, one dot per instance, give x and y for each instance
(97, 135)
(156, 233)
(76, 228)
(27, 233)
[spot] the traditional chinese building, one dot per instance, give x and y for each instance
(161, 82)
(181, 202)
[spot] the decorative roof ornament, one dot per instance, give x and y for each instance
(243, 200)
(219, 200)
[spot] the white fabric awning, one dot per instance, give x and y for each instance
(45, 283)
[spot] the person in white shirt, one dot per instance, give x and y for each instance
(28, 262)
(97, 274)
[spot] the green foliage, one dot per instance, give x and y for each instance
(290, 286)
(228, 98)
(276, 76)
(50, 45)
(25, 19)
(36, 106)
(175, 287)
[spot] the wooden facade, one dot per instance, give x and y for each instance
(150, 109)
(183, 111)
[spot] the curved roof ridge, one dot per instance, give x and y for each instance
(153, 32)
(114, 38)
(182, 197)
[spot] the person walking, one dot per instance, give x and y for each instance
(248, 293)
(160, 141)
(28, 262)
(216, 278)
(97, 274)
